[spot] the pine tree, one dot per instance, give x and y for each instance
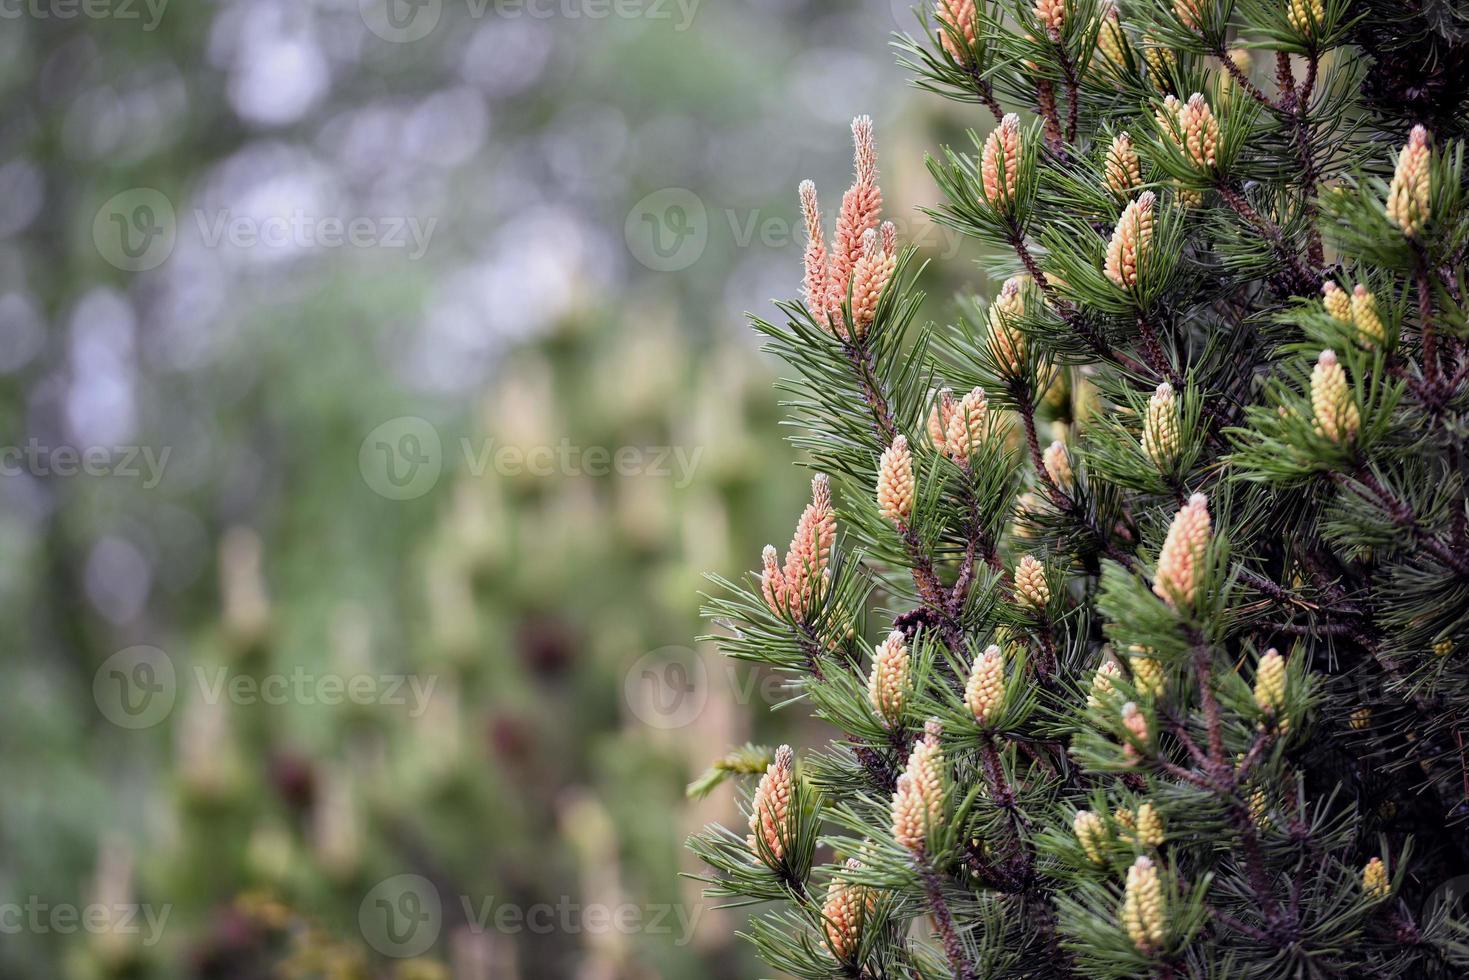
(1184, 693)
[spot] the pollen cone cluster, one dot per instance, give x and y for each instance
(1142, 907)
(956, 428)
(1177, 579)
(1007, 343)
(895, 482)
(1160, 427)
(1270, 682)
(862, 256)
(1149, 826)
(1137, 725)
(887, 685)
(1358, 309)
(1191, 127)
(984, 694)
(1305, 15)
(1408, 199)
(1189, 12)
(795, 588)
(956, 16)
(1130, 240)
(1031, 588)
(1374, 880)
(918, 803)
(847, 907)
(1091, 834)
(999, 164)
(1123, 171)
(1332, 406)
(1051, 14)
(1102, 686)
(1109, 35)
(1058, 464)
(1147, 672)
(770, 810)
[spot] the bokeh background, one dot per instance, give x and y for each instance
(376, 391)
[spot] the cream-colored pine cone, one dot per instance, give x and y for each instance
(1110, 38)
(1240, 58)
(984, 694)
(1180, 561)
(1137, 724)
(1305, 16)
(999, 164)
(772, 581)
(846, 908)
(1260, 809)
(918, 803)
(810, 550)
(1051, 15)
(1142, 907)
(887, 685)
(770, 810)
(815, 284)
(1160, 427)
(1361, 719)
(895, 482)
(1129, 246)
(1270, 682)
(1149, 826)
(1091, 834)
(1197, 132)
(939, 418)
(1189, 12)
(859, 213)
(1337, 303)
(871, 275)
(1365, 316)
(1374, 880)
(1161, 60)
(967, 425)
(1007, 343)
(1408, 196)
(957, 16)
(1103, 689)
(1147, 671)
(1123, 170)
(1031, 588)
(1058, 464)
(1332, 405)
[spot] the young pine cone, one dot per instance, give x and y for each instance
(1142, 907)
(918, 803)
(870, 276)
(1109, 36)
(1374, 880)
(1270, 682)
(887, 685)
(1332, 405)
(984, 694)
(1007, 343)
(1149, 826)
(999, 164)
(795, 588)
(895, 482)
(847, 906)
(1058, 464)
(1197, 132)
(1136, 724)
(1031, 588)
(770, 810)
(1176, 581)
(1123, 171)
(1160, 427)
(956, 16)
(1091, 834)
(967, 425)
(1408, 199)
(1129, 246)
(1305, 16)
